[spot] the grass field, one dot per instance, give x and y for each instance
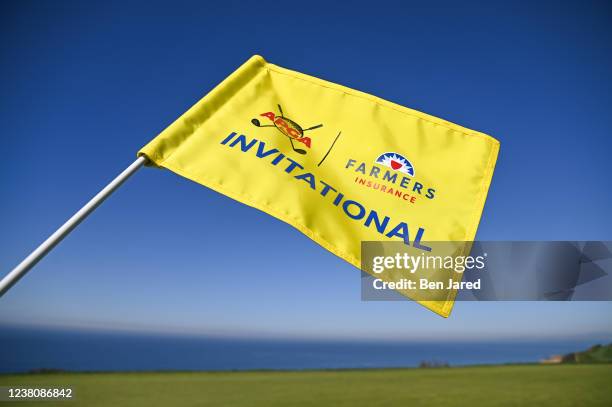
(533, 385)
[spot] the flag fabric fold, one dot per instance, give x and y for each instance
(339, 165)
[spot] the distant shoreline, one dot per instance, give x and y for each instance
(51, 372)
(44, 351)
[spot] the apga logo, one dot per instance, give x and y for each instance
(288, 128)
(396, 162)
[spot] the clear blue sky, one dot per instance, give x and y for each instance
(85, 85)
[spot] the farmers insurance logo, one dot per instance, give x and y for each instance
(392, 174)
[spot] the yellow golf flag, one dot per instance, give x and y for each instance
(339, 165)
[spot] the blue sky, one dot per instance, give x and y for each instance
(85, 85)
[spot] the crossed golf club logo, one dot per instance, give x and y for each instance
(288, 128)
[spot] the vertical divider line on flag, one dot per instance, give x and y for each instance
(22, 268)
(330, 149)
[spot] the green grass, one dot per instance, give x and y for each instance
(532, 385)
(595, 354)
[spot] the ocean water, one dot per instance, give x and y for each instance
(25, 349)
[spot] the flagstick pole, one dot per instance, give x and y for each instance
(11, 278)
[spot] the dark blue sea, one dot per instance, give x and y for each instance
(26, 349)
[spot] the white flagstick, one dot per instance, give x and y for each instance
(40, 252)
